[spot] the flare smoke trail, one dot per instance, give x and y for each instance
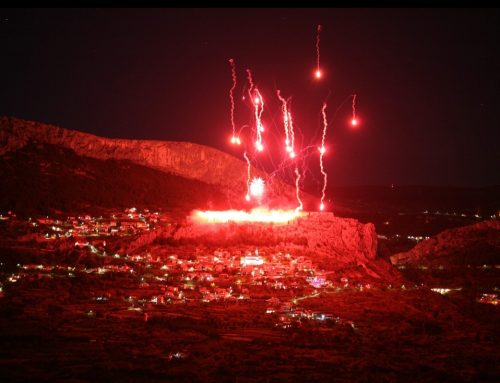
(354, 121)
(258, 103)
(297, 180)
(284, 109)
(234, 138)
(322, 151)
(247, 197)
(318, 70)
(292, 134)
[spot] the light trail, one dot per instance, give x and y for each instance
(258, 104)
(297, 190)
(247, 197)
(322, 151)
(318, 73)
(354, 121)
(235, 139)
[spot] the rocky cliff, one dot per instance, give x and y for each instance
(185, 159)
(474, 245)
(346, 242)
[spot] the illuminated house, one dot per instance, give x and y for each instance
(251, 260)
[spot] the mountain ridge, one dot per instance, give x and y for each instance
(185, 159)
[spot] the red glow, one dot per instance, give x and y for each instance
(322, 150)
(256, 100)
(318, 74)
(322, 206)
(255, 215)
(354, 122)
(259, 146)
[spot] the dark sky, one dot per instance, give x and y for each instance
(427, 82)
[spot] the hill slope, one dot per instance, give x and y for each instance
(40, 178)
(184, 159)
(476, 244)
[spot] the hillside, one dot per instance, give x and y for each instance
(41, 178)
(183, 159)
(476, 244)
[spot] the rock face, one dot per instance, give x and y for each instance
(181, 158)
(346, 242)
(474, 244)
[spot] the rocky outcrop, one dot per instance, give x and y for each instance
(181, 158)
(344, 241)
(473, 244)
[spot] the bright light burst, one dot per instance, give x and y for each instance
(255, 215)
(257, 187)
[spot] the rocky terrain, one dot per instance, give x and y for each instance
(184, 159)
(474, 245)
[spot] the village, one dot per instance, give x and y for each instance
(160, 277)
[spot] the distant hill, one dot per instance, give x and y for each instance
(475, 245)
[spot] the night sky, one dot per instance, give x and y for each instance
(427, 82)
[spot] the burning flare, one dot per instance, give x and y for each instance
(255, 215)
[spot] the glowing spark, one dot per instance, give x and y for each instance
(318, 70)
(255, 95)
(322, 151)
(255, 215)
(297, 180)
(234, 139)
(257, 187)
(247, 197)
(354, 121)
